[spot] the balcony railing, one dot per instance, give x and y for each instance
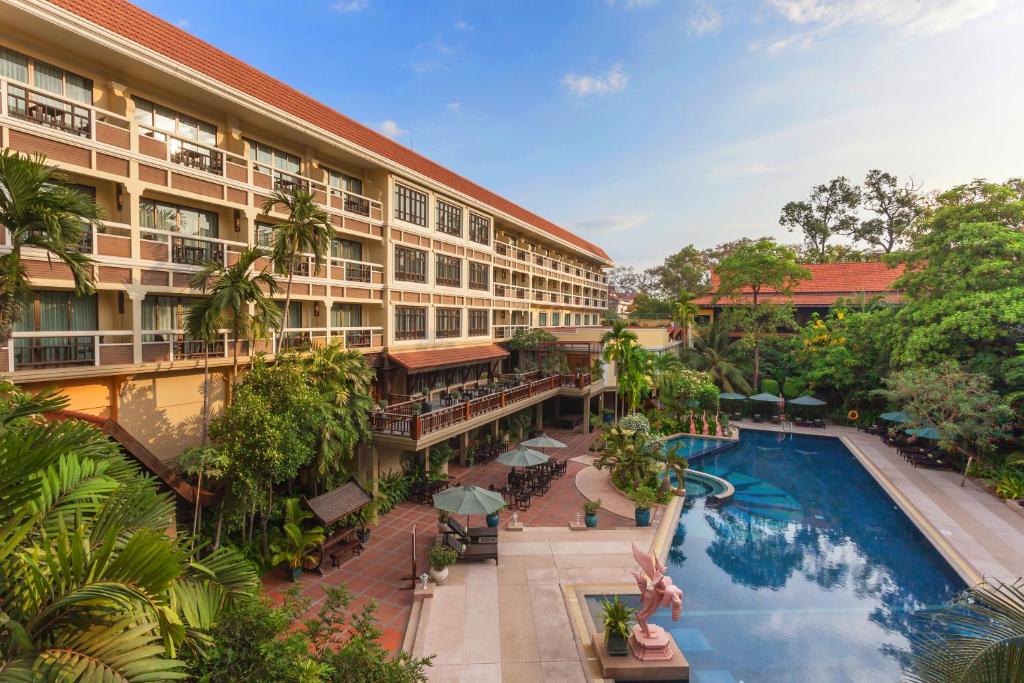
(65, 348)
(188, 250)
(358, 337)
(46, 110)
(508, 331)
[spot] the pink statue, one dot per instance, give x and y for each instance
(656, 592)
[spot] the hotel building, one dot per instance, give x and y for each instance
(181, 144)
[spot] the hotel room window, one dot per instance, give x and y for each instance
(449, 218)
(448, 323)
(410, 323)
(449, 271)
(479, 275)
(410, 205)
(479, 229)
(478, 320)
(410, 264)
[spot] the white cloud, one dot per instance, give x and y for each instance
(774, 46)
(706, 20)
(580, 84)
(182, 23)
(462, 25)
(920, 18)
(604, 224)
(442, 47)
(345, 6)
(633, 4)
(391, 129)
(744, 169)
(454, 107)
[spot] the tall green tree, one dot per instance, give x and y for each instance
(897, 209)
(203, 321)
(685, 311)
(614, 344)
(40, 212)
(749, 270)
(831, 209)
(712, 348)
(231, 291)
(306, 230)
(686, 270)
(637, 378)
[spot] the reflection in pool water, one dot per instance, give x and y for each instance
(810, 574)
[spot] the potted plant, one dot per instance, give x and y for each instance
(295, 545)
(441, 557)
(616, 617)
(712, 425)
(366, 517)
(590, 509)
(643, 498)
(416, 408)
(442, 521)
(494, 518)
(594, 418)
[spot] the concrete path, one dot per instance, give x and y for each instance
(510, 622)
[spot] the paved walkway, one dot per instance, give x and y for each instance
(376, 574)
(972, 523)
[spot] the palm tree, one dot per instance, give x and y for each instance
(637, 375)
(42, 213)
(685, 312)
(94, 588)
(614, 343)
(665, 370)
(980, 638)
(307, 230)
(674, 464)
(204, 321)
(346, 382)
(232, 290)
(626, 455)
(710, 353)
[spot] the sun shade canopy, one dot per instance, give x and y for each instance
(339, 503)
(419, 361)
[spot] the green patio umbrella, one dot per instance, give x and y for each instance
(765, 398)
(731, 396)
(898, 416)
(469, 500)
(542, 441)
(523, 457)
(806, 401)
(925, 433)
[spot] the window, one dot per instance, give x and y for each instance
(174, 218)
(267, 159)
(346, 315)
(13, 65)
(478, 318)
(264, 235)
(578, 319)
(45, 77)
(410, 323)
(542, 319)
(449, 218)
(410, 205)
(343, 181)
(479, 275)
(479, 229)
(556, 319)
(49, 311)
(160, 120)
(347, 249)
(449, 323)
(586, 319)
(410, 264)
(449, 271)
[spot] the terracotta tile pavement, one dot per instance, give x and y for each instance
(377, 573)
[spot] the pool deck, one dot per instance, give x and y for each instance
(975, 531)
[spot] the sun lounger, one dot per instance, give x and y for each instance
(474, 534)
(472, 551)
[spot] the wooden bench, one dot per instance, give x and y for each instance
(343, 545)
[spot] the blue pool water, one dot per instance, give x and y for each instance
(810, 574)
(691, 446)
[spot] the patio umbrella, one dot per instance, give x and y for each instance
(898, 416)
(806, 401)
(522, 457)
(542, 441)
(765, 398)
(731, 396)
(469, 500)
(925, 433)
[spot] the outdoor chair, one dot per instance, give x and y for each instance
(523, 498)
(474, 534)
(818, 422)
(472, 551)
(757, 417)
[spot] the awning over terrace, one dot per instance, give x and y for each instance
(436, 359)
(339, 503)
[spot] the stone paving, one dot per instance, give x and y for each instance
(377, 573)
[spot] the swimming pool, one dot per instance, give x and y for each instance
(810, 574)
(693, 446)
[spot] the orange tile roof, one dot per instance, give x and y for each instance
(828, 282)
(416, 361)
(154, 33)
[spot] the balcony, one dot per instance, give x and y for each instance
(508, 331)
(359, 337)
(163, 346)
(191, 250)
(50, 349)
(44, 109)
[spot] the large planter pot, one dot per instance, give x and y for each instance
(616, 645)
(439, 576)
(492, 520)
(293, 573)
(590, 520)
(642, 516)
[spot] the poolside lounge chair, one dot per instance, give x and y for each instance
(757, 417)
(472, 551)
(818, 422)
(474, 534)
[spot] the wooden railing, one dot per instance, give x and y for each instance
(398, 418)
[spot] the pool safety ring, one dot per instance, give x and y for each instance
(853, 415)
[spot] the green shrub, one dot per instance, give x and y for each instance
(591, 507)
(792, 387)
(392, 489)
(769, 386)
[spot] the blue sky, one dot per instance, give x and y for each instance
(646, 125)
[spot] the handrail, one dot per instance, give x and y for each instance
(171, 233)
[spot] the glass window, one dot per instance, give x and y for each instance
(449, 323)
(175, 218)
(479, 229)
(542, 319)
(479, 275)
(342, 181)
(449, 271)
(449, 218)
(556, 319)
(478, 318)
(578, 320)
(347, 249)
(268, 158)
(159, 119)
(410, 205)
(410, 322)
(264, 235)
(346, 315)
(13, 65)
(410, 264)
(47, 77)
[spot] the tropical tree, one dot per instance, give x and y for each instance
(306, 230)
(712, 349)
(204, 462)
(614, 343)
(204, 320)
(685, 311)
(831, 209)
(345, 383)
(978, 638)
(232, 290)
(897, 207)
(637, 377)
(40, 212)
(677, 465)
(750, 269)
(629, 454)
(93, 588)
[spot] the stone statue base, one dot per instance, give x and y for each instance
(656, 647)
